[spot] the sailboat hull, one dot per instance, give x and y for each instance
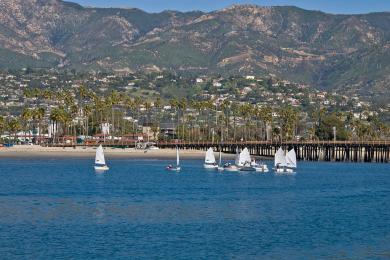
(284, 171)
(101, 168)
(174, 169)
(177, 168)
(262, 168)
(210, 166)
(231, 168)
(247, 169)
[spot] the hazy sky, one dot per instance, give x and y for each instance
(330, 6)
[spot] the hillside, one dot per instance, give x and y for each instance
(347, 53)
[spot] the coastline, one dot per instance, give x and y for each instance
(34, 151)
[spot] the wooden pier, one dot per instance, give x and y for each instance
(336, 151)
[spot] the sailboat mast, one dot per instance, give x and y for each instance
(220, 157)
(177, 157)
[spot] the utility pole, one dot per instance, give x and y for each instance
(334, 134)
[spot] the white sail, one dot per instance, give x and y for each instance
(291, 159)
(177, 158)
(245, 157)
(280, 158)
(210, 158)
(99, 158)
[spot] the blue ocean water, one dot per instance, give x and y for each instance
(59, 208)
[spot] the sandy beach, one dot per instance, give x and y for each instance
(27, 151)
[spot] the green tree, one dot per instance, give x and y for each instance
(324, 130)
(288, 122)
(13, 126)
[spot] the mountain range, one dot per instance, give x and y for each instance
(348, 53)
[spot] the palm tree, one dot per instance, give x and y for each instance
(27, 115)
(208, 106)
(157, 106)
(235, 110)
(61, 117)
(225, 107)
(174, 103)
(183, 107)
(137, 103)
(38, 115)
(148, 107)
(246, 112)
(2, 124)
(83, 93)
(113, 100)
(288, 117)
(87, 112)
(129, 105)
(14, 126)
(265, 115)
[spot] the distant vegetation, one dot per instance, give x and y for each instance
(196, 108)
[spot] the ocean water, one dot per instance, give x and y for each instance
(61, 209)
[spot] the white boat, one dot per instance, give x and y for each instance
(291, 160)
(280, 160)
(100, 162)
(259, 167)
(177, 168)
(244, 158)
(209, 161)
(285, 163)
(233, 167)
(230, 167)
(247, 168)
(245, 161)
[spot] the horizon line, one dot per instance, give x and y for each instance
(215, 10)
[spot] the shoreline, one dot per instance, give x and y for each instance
(88, 152)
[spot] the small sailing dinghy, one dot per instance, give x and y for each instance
(280, 161)
(259, 167)
(291, 160)
(245, 160)
(209, 161)
(177, 168)
(285, 163)
(100, 162)
(233, 167)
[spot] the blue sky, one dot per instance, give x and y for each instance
(330, 6)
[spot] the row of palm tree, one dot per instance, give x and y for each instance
(83, 112)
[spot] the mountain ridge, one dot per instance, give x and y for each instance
(310, 47)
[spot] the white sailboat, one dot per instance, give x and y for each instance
(233, 167)
(291, 160)
(259, 167)
(245, 161)
(100, 162)
(245, 158)
(285, 163)
(248, 164)
(209, 161)
(177, 168)
(280, 160)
